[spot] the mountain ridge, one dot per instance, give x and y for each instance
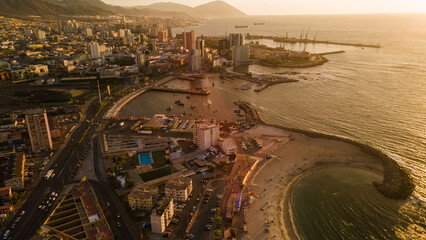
(214, 9)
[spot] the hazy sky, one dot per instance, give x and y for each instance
(285, 7)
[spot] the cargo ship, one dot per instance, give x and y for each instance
(241, 26)
(259, 23)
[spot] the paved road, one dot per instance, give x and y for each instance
(106, 194)
(204, 212)
(66, 160)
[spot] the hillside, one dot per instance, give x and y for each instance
(21, 8)
(217, 9)
(167, 6)
(214, 9)
(46, 8)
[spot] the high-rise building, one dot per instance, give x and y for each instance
(89, 32)
(240, 54)
(169, 32)
(162, 36)
(223, 47)
(121, 33)
(94, 50)
(206, 135)
(38, 130)
(139, 58)
(131, 39)
(189, 40)
(236, 39)
(60, 26)
(200, 45)
(41, 35)
(194, 64)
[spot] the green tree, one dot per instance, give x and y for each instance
(217, 234)
(234, 232)
(219, 221)
(130, 182)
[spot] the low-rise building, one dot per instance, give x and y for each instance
(16, 182)
(228, 146)
(77, 216)
(179, 189)
(143, 197)
(128, 143)
(5, 196)
(162, 215)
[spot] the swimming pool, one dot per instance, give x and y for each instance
(145, 158)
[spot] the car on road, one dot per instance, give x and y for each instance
(190, 237)
(194, 208)
(22, 213)
(118, 215)
(7, 233)
(17, 219)
(208, 227)
(13, 226)
(119, 224)
(209, 190)
(211, 220)
(108, 204)
(213, 210)
(219, 196)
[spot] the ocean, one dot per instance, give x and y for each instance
(374, 96)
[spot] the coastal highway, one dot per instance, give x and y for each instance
(34, 217)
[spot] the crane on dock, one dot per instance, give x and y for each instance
(301, 35)
(306, 36)
(315, 37)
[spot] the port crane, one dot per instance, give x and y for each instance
(306, 36)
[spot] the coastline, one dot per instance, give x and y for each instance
(277, 201)
(274, 180)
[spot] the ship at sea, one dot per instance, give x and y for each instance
(241, 26)
(259, 23)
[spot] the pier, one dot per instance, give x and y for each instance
(179, 90)
(329, 53)
(305, 40)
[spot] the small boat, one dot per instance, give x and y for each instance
(213, 84)
(169, 108)
(209, 102)
(192, 106)
(188, 97)
(241, 26)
